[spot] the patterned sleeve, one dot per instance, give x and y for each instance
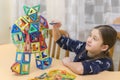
(69, 44)
(96, 66)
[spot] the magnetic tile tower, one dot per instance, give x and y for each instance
(29, 33)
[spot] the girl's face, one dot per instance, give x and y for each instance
(94, 43)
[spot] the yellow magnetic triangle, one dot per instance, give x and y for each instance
(32, 11)
(16, 68)
(27, 18)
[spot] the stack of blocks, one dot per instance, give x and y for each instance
(28, 34)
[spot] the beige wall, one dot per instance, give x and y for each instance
(56, 10)
(5, 13)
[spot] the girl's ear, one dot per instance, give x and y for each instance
(105, 47)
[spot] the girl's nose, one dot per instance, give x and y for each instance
(89, 40)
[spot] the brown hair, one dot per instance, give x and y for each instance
(108, 34)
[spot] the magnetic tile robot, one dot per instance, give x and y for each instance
(29, 35)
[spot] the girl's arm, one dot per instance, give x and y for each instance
(56, 32)
(88, 66)
(65, 42)
(75, 67)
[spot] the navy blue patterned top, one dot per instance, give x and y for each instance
(91, 66)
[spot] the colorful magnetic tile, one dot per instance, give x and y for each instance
(27, 18)
(38, 55)
(26, 9)
(25, 68)
(16, 67)
(45, 33)
(43, 64)
(32, 29)
(27, 47)
(15, 29)
(43, 22)
(32, 11)
(35, 47)
(26, 57)
(36, 25)
(44, 54)
(43, 45)
(20, 47)
(39, 64)
(19, 57)
(22, 23)
(37, 7)
(34, 37)
(47, 62)
(18, 38)
(33, 16)
(41, 55)
(27, 36)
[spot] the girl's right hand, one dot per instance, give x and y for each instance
(66, 61)
(57, 25)
(56, 32)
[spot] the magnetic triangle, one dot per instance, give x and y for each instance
(15, 29)
(36, 25)
(26, 9)
(37, 8)
(38, 55)
(32, 29)
(44, 55)
(27, 18)
(16, 67)
(31, 11)
(43, 21)
(45, 32)
(33, 16)
(43, 46)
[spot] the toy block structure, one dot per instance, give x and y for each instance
(29, 34)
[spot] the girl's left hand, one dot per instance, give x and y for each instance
(66, 61)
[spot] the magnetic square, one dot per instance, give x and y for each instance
(26, 57)
(22, 23)
(34, 37)
(18, 37)
(35, 47)
(25, 68)
(19, 56)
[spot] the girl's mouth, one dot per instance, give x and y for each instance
(88, 45)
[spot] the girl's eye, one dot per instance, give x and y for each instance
(95, 38)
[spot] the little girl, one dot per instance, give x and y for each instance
(92, 56)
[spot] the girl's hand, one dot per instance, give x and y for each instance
(66, 61)
(57, 25)
(56, 31)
